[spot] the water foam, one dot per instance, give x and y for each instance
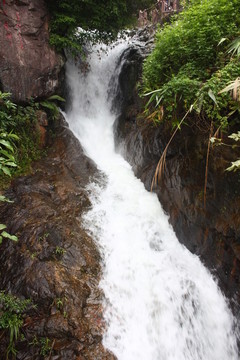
(161, 303)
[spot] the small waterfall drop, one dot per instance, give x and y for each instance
(161, 303)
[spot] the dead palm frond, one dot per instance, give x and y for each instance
(206, 168)
(234, 88)
(162, 161)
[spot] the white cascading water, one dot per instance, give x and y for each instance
(161, 303)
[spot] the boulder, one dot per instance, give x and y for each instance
(29, 67)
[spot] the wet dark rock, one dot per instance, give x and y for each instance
(55, 262)
(212, 232)
(28, 66)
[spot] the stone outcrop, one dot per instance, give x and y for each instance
(28, 66)
(55, 262)
(212, 232)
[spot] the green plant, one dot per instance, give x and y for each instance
(235, 165)
(3, 233)
(234, 47)
(6, 109)
(214, 99)
(6, 235)
(43, 237)
(11, 311)
(59, 250)
(59, 303)
(46, 346)
(7, 159)
(100, 21)
(190, 62)
(50, 104)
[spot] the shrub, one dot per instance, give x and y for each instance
(191, 64)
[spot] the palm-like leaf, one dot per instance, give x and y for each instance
(234, 47)
(234, 88)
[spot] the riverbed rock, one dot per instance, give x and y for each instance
(55, 262)
(29, 68)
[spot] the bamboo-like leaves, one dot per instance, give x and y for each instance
(234, 88)
(234, 47)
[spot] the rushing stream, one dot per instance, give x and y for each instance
(160, 301)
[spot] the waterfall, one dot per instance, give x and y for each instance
(160, 303)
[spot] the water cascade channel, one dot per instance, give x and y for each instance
(160, 303)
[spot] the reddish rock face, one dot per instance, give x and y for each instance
(28, 66)
(55, 262)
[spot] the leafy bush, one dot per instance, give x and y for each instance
(175, 96)
(105, 18)
(11, 311)
(192, 39)
(215, 104)
(192, 64)
(19, 136)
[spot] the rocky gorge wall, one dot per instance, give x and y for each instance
(29, 68)
(212, 232)
(55, 260)
(54, 263)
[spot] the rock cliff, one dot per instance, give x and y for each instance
(211, 231)
(28, 66)
(55, 262)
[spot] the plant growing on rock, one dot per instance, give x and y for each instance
(11, 318)
(190, 63)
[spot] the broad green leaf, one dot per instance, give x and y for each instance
(2, 226)
(5, 199)
(56, 97)
(8, 236)
(12, 164)
(50, 106)
(7, 154)
(212, 96)
(6, 170)
(6, 144)
(13, 136)
(221, 41)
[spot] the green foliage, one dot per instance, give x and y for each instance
(234, 47)
(235, 165)
(11, 312)
(19, 136)
(46, 346)
(217, 104)
(59, 250)
(192, 62)
(43, 343)
(50, 104)
(192, 39)
(6, 235)
(7, 159)
(104, 18)
(179, 89)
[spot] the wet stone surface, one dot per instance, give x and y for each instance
(55, 262)
(211, 231)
